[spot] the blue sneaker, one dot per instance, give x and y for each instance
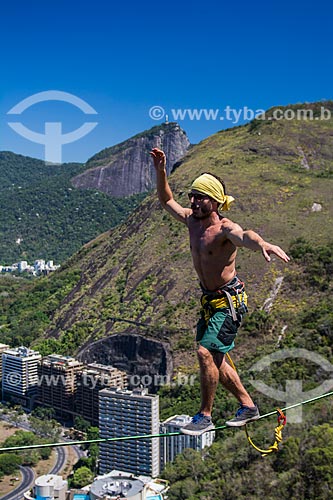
(199, 424)
(244, 415)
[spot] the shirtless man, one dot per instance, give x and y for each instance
(214, 240)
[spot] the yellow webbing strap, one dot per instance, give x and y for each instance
(278, 435)
(282, 420)
(231, 363)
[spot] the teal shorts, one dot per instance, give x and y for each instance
(220, 332)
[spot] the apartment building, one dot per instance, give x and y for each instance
(20, 376)
(90, 380)
(129, 413)
(58, 384)
(72, 388)
(171, 446)
(3, 347)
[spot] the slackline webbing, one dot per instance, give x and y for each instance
(151, 436)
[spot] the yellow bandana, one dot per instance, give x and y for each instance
(209, 185)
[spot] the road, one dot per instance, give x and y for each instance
(27, 472)
(61, 460)
(78, 450)
(27, 482)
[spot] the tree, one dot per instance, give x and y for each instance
(317, 462)
(187, 464)
(16, 419)
(93, 433)
(45, 453)
(9, 463)
(184, 490)
(44, 413)
(82, 477)
(45, 428)
(288, 456)
(20, 438)
(81, 424)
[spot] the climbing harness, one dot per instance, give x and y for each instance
(231, 296)
(282, 420)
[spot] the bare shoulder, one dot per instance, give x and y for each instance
(231, 230)
(225, 222)
(228, 225)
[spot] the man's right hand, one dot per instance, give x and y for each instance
(159, 159)
(163, 189)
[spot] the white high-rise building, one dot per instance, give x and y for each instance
(173, 445)
(39, 265)
(129, 413)
(20, 375)
(3, 347)
(22, 265)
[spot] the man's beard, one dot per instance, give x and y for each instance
(204, 212)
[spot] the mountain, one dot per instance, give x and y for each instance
(44, 215)
(125, 169)
(141, 271)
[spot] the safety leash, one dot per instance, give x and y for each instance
(282, 420)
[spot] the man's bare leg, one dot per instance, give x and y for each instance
(229, 378)
(213, 368)
(209, 379)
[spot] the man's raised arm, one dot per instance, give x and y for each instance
(163, 189)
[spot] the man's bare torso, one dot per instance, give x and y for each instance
(212, 253)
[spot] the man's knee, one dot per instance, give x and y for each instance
(208, 358)
(203, 354)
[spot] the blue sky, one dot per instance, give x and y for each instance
(123, 59)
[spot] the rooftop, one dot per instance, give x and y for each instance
(123, 484)
(50, 480)
(119, 484)
(21, 352)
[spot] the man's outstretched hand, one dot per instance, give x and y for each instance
(159, 159)
(268, 249)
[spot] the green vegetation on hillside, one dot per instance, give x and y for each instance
(48, 217)
(27, 306)
(231, 469)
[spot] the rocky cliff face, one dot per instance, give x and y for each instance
(126, 168)
(147, 361)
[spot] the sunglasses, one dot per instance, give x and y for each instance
(197, 196)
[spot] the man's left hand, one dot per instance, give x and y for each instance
(268, 249)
